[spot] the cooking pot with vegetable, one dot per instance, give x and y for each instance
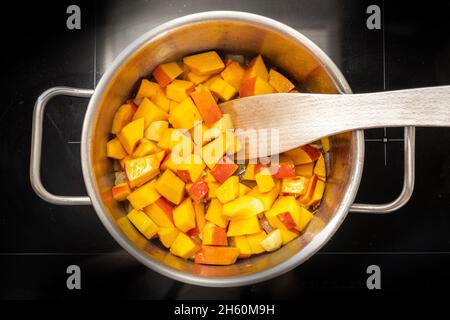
(226, 31)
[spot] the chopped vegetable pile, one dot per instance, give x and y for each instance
(174, 167)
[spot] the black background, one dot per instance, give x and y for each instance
(39, 240)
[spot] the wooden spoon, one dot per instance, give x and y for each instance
(302, 118)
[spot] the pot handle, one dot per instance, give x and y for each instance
(408, 180)
(36, 145)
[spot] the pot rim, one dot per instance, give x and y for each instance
(312, 247)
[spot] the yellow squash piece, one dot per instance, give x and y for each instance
(243, 189)
(170, 186)
(239, 227)
(264, 180)
(223, 89)
(266, 198)
(220, 127)
(288, 235)
(141, 170)
(257, 68)
(196, 79)
(143, 223)
(214, 214)
(161, 100)
(284, 205)
(233, 74)
(204, 64)
(122, 117)
(229, 190)
(115, 150)
(194, 165)
(166, 73)
(249, 173)
(305, 170)
(150, 112)
(155, 130)
(185, 115)
(243, 207)
(157, 214)
(184, 215)
(199, 209)
(242, 244)
(144, 195)
(167, 236)
(184, 246)
(254, 241)
(147, 89)
(212, 186)
(178, 90)
(174, 137)
(144, 148)
(279, 82)
(131, 134)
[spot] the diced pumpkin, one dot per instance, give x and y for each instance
(303, 155)
(214, 235)
(184, 246)
(277, 214)
(243, 207)
(284, 169)
(173, 137)
(122, 117)
(143, 223)
(266, 198)
(131, 134)
(325, 144)
(130, 231)
(184, 215)
(184, 115)
(320, 169)
(239, 227)
(214, 214)
(167, 236)
(273, 241)
(223, 89)
(249, 173)
(150, 112)
(206, 105)
(147, 89)
(208, 177)
(257, 68)
(305, 170)
(144, 195)
(115, 150)
(254, 241)
(242, 244)
(170, 186)
(223, 170)
(121, 191)
(279, 82)
(229, 190)
(243, 189)
(179, 90)
(255, 86)
(305, 218)
(217, 255)
(288, 235)
(195, 78)
(161, 100)
(144, 148)
(199, 209)
(314, 192)
(155, 130)
(159, 216)
(264, 180)
(204, 64)
(141, 170)
(219, 127)
(233, 74)
(210, 81)
(194, 167)
(166, 73)
(296, 185)
(212, 187)
(199, 190)
(172, 105)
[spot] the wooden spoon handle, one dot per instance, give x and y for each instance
(304, 118)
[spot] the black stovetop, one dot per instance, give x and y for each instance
(39, 240)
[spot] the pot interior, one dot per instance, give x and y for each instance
(235, 36)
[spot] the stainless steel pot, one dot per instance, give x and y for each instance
(236, 32)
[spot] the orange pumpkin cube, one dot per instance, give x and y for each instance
(170, 186)
(214, 214)
(131, 134)
(304, 154)
(233, 74)
(122, 117)
(184, 215)
(115, 150)
(144, 195)
(147, 89)
(217, 255)
(121, 191)
(167, 236)
(150, 112)
(206, 105)
(184, 246)
(143, 223)
(257, 68)
(214, 235)
(178, 90)
(166, 73)
(141, 170)
(206, 63)
(279, 82)
(320, 168)
(239, 227)
(255, 86)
